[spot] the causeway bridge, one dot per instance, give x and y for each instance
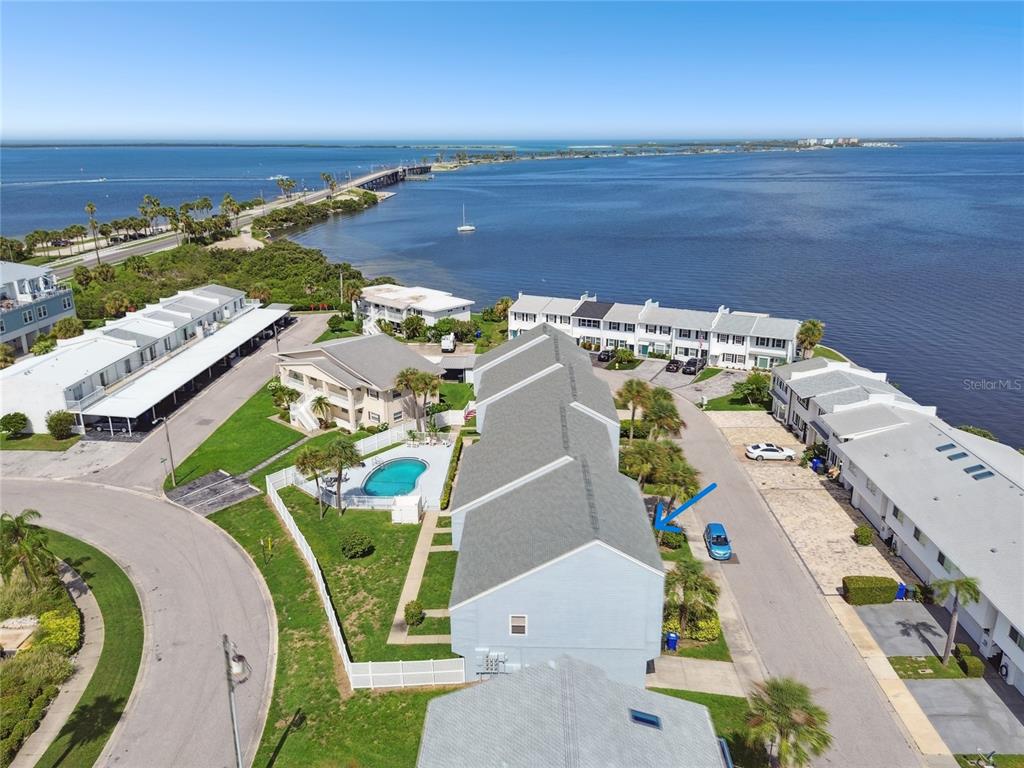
(387, 177)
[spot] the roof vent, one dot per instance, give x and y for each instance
(645, 718)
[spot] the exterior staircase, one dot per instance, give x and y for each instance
(302, 412)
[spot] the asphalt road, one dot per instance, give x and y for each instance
(195, 584)
(793, 629)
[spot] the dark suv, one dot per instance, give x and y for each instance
(604, 356)
(694, 365)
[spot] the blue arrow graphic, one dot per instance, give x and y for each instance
(662, 523)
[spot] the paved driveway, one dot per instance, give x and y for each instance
(194, 584)
(792, 626)
(906, 629)
(970, 715)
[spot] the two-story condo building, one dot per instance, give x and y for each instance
(357, 376)
(31, 301)
(115, 377)
(949, 503)
(556, 554)
(725, 338)
(394, 303)
(805, 391)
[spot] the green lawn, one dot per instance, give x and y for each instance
(728, 714)
(436, 587)
(628, 366)
(320, 441)
(444, 521)
(910, 668)
(349, 331)
(706, 374)
(39, 441)
(732, 402)
(365, 591)
(822, 351)
(441, 539)
(455, 395)
(491, 334)
(240, 443)
(309, 724)
(1001, 761)
(433, 625)
(83, 737)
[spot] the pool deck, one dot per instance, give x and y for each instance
(429, 485)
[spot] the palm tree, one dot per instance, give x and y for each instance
(661, 413)
(310, 462)
(782, 713)
(408, 380)
(24, 545)
(321, 408)
(679, 479)
(810, 335)
(327, 179)
(229, 207)
(91, 210)
(690, 591)
(339, 456)
(204, 205)
(634, 394)
(332, 184)
(430, 384)
(964, 589)
(640, 460)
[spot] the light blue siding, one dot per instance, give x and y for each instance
(595, 605)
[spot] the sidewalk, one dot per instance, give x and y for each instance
(86, 659)
(399, 634)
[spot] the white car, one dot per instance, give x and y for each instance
(770, 451)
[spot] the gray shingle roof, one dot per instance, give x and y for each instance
(739, 325)
(374, 360)
(594, 310)
(565, 714)
(869, 418)
(776, 327)
(624, 313)
(837, 380)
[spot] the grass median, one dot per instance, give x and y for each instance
(80, 741)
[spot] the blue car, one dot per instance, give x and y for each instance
(717, 541)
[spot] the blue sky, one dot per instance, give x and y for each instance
(491, 71)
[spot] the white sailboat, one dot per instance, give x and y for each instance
(465, 227)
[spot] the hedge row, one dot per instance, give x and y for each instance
(453, 465)
(869, 590)
(971, 665)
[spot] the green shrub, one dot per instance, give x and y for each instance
(37, 667)
(672, 540)
(356, 544)
(61, 630)
(641, 429)
(335, 323)
(671, 624)
(14, 707)
(13, 423)
(863, 535)
(414, 614)
(453, 465)
(972, 665)
(961, 650)
(869, 590)
(60, 424)
(704, 630)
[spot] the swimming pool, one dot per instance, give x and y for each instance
(395, 478)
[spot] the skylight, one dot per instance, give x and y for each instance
(946, 447)
(957, 456)
(975, 468)
(983, 475)
(645, 718)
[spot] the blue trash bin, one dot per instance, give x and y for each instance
(671, 641)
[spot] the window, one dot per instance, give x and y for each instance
(762, 341)
(702, 335)
(778, 343)
(103, 378)
(723, 337)
(683, 333)
(395, 394)
(564, 319)
(645, 718)
(42, 311)
(919, 536)
(664, 330)
(739, 339)
(295, 376)
(945, 562)
(517, 625)
(66, 302)
(375, 418)
(373, 394)
(127, 365)
(167, 344)
(586, 322)
(651, 328)
(1017, 638)
(897, 513)
(397, 416)
(27, 316)
(614, 326)
(629, 327)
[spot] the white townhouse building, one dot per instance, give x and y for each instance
(949, 503)
(726, 338)
(394, 303)
(31, 301)
(127, 368)
(807, 390)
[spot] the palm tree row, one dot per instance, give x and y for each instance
(419, 384)
(336, 457)
(656, 404)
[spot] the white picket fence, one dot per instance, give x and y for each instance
(370, 674)
(382, 439)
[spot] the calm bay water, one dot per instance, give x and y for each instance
(911, 256)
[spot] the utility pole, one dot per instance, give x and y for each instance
(167, 434)
(238, 671)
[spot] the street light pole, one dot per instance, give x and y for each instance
(170, 454)
(238, 671)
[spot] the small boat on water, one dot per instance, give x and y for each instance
(465, 227)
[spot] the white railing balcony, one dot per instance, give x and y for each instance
(77, 405)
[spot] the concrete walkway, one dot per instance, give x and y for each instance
(86, 659)
(399, 634)
(704, 675)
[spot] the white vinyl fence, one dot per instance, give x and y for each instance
(371, 674)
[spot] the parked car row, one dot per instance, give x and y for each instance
(692, 366)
